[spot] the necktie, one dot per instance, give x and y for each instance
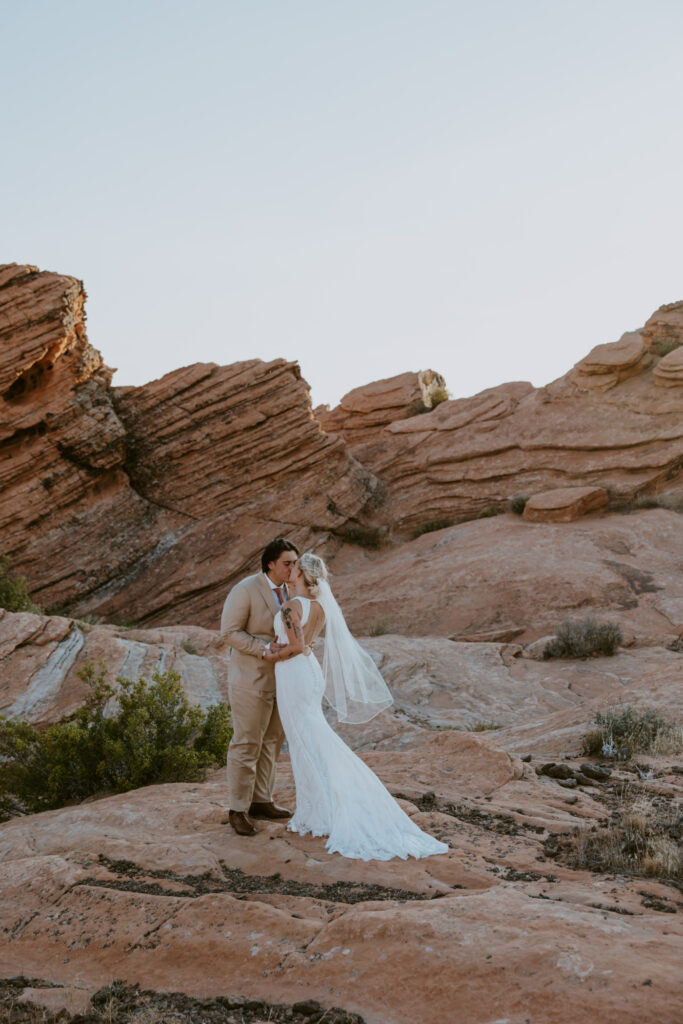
(278, 594)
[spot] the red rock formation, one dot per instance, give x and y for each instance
(41, 657)
(669, 371)
(153, 888)
(606, 365)
(606, 423)
(68, 516)
(362, 411)
(150, 501)
(503, 578)
(564, 504)
(664, 330)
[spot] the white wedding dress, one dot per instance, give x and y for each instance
(337, 795)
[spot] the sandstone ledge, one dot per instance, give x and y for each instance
(564, 504)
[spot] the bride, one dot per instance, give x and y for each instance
(337, 795)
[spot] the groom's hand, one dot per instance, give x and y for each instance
(273, 650)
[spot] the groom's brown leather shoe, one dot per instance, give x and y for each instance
(241, 824)
(269, 810)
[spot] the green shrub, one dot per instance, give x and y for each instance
(483, 726)
(431, 525)
(418, 406)
(584, 638)
(155, 736)
(438, 395)
(518, 503)
(664, 346)
(14, 596)
(490, 510)
(645, 731)
(189, 647)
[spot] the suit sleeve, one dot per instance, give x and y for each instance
(233, 621)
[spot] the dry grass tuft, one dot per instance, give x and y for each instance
(643, 837)
(644, 731)
(380, 627)
(584, 638)
(518, 503)
(431, 525)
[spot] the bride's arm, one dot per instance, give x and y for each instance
(291, 617)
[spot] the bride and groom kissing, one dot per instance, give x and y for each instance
(276, 685)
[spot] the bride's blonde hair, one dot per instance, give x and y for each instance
(313, 569)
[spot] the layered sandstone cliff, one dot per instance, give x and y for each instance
(615, 420)
(149, 502)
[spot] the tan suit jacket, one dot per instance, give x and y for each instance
(247, 626)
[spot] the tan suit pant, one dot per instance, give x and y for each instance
(254, 747)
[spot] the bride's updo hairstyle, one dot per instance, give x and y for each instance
(314, 570)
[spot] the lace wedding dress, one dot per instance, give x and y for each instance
(337, 795)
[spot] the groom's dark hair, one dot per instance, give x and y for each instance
(273, 551)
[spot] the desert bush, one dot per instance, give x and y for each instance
(439, 395)
(671, 500)
(643, 837)
(664, 346)
(418, 406)
(90, 619)
(156, 735)
(490, 510)
(518, 503)
(189, 647)
(372, 537)
(431, 525)
(483, 726)
(122, 622)
(646, 731)
(380, 627)
(584, 638)
(14, 596)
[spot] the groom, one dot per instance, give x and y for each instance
(247, 626)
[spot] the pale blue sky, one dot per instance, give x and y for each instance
(486, 189)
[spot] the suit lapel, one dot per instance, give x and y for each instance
(268, 595)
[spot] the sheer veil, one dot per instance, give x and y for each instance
(353, 684)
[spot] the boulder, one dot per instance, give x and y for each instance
(564, 504)
(668, 372)
(606, 365)
(41, 658)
